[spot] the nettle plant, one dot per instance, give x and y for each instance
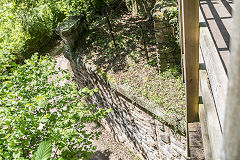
(37, 106)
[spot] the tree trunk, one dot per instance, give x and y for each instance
(110, 29)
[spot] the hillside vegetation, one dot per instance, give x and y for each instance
(43, 117)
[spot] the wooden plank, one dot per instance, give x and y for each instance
(213, 125)
(180, 19)
(204, 130)
(191, 52)
(202, 65)
(201, 18)
(195, 141)
(232, 128)
(202, 117)
(216, 73)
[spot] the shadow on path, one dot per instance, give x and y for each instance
(98, 155)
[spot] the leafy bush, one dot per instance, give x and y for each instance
(172, 16)
(28, 26)
(43, 152)
(36, 105)
(12, 36)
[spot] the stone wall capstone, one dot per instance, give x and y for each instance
(73, 31)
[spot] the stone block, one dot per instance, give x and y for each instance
(164, 150)
(162, 156)
(152, 142)
(183, 140)
(72, 31)
(160, 127)
(178, 149)
(173, 152)
(165, 137)
(159, 25)
(176, 142)
(159, 39)
(153, 155)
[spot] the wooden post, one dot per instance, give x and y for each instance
(191, 52)
(231, 130)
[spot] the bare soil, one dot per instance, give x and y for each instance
(108, 148)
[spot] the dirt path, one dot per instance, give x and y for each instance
(107, 147)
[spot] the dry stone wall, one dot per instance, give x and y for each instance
(146, 130)
(163, 33)
(131, 123)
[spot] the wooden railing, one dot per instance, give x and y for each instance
(219, 113)
(202, 67)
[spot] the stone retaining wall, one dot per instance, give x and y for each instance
(130, 123)
(141, 125)
(163, 33)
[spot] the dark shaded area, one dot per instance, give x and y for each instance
(98, 155)
(135, 37)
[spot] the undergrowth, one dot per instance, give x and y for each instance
(132, 64)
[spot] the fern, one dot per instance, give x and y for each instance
(43, 152)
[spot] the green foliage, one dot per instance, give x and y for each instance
(36, 105)
(168, 10)
(172, 16)
(11, 31)
(6, 61)
(28, 26)
(43, 152)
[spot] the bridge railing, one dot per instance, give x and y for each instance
(204, 76)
